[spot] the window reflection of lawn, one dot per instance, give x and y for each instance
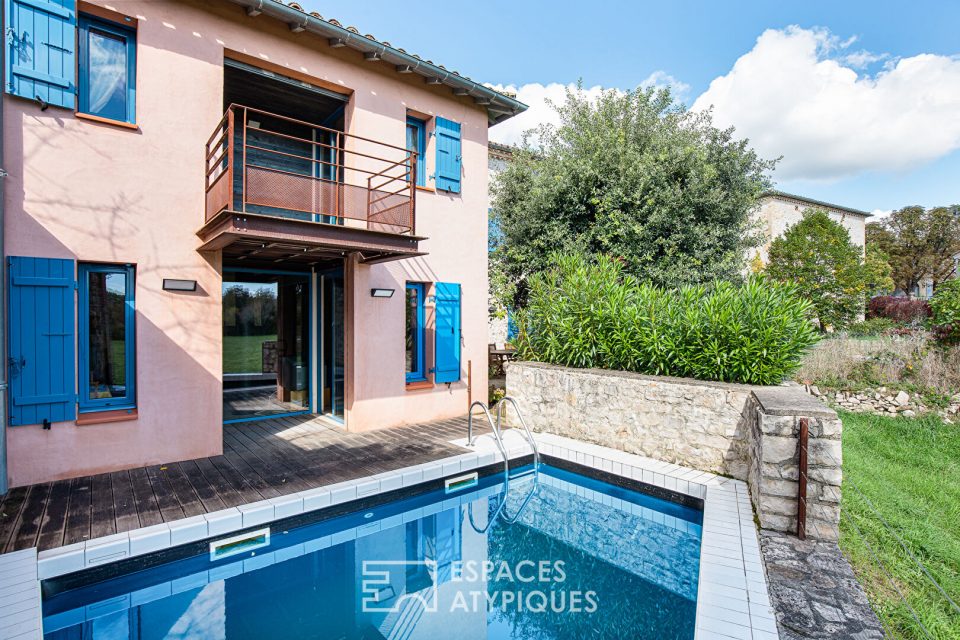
(243, 354)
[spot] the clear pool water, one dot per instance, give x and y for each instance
(557, 555)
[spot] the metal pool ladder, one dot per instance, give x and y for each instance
(501, 511)
(494, 427)
(501, 406)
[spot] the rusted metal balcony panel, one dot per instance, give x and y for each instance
(263, 163)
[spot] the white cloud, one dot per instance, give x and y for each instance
(796, 94)
(881, 213)
(863, 58)
(541, 101)
(663, 80)
(542, 98)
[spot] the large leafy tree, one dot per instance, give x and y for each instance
(635, 176)
(817, 255)
(919, 242)
(878, 273)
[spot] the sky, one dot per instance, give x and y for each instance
(860, 100)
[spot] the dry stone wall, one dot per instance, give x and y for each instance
(741, 431)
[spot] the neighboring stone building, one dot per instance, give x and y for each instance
(498, 155)
(779, 210)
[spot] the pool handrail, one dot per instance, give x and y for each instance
(500, 407)
(501, 510)
(494, 427)
(523, 505)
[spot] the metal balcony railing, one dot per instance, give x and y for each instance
(261, 162)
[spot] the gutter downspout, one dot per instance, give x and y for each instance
(3, 297)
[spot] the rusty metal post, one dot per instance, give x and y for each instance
(230, 146)
(414, 168)
(243, 165)
(802, 470)
(340, 175)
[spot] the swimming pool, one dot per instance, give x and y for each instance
(550, 554)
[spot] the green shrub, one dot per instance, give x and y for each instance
(871, 327)
(588, 313)
(946, 309)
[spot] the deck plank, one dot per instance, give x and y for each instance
(170, 508)
(124, 502)
(184, 492)
(80, 511)
(208, 495)
(10, 509)
(32, 516)
(55, 517)
(148, 509)
(220, 485)
(245, 486)
(103, 522)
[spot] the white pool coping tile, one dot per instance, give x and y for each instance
(20, 609)
(732, 599)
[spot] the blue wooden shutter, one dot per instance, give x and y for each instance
(447, 351)
(41, 50)
(42, 370)
(448, 155)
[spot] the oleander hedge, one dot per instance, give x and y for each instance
(586, 312)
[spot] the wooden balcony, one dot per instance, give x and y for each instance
(279, 188)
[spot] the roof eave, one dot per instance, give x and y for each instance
(499, 107)
(813, 202)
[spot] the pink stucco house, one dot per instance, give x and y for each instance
(218, 211)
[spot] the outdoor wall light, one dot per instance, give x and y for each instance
(381, 293)
(171, 284)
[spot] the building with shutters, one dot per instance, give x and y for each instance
(222, 211)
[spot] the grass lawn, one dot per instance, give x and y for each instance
(242, 354)
(909, 470)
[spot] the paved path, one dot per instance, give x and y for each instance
(814, 591)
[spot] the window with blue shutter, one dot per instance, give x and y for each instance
(107, 337)
(447, 332)
(415, 332)
(41, 340)
(449, 155)
(41, 59)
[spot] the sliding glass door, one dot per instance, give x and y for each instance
(332, 339)
(266, 345)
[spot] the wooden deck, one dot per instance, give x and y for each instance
(260, 460)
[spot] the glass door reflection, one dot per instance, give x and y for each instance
(265, 345)
(331, 356)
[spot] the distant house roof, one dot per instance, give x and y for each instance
(500, 151)
(500, 105)
(813, 203)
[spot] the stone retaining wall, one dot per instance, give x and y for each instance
(741, 431)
